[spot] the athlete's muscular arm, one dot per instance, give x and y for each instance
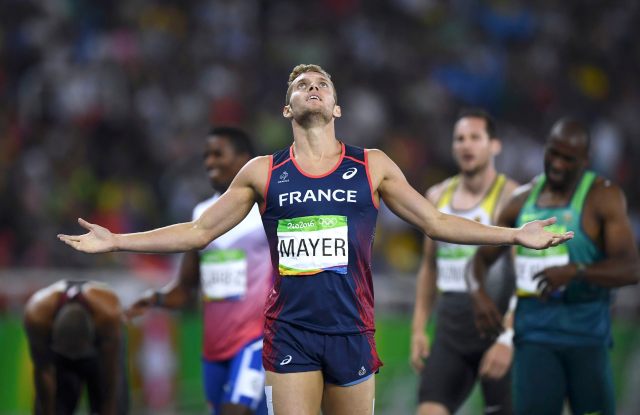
(107, 314)
(488, 319)
(233, 206)
(426, 292)
(38, 319)
(621, 266)
(389, 183)
(178, 293)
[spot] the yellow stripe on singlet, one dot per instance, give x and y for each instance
(488, 203)
(491, 200)
(445, 199)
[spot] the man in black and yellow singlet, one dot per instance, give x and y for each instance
(450, 363)
(562, 322)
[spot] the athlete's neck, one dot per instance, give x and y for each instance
(315, 144)
(478, 182)
(557, 194)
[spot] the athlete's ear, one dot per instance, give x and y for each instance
(337, 111)
(286, 112)
(496, 146)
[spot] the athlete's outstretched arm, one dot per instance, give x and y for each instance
(233, 206)
(389, 182)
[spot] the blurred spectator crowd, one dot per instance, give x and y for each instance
(104, 104)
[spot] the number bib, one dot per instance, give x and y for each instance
(451, 275)
(223, 274)
(312, 244)
(529, 262)
(452, 262)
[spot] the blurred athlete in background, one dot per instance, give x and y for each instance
(459, 354)
(562, 320)
(233, 275)
(76, 338)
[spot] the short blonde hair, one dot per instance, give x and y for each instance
(303, 68)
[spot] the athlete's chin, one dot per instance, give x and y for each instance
(557, 180)
(313, 117)
(470, 170)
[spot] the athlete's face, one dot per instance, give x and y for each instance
(564, 160)
(472, 147)
(312, 98)
(222, 162)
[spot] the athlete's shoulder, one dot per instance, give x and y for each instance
(104, 302)
(604, 186)
(435, 192)
(510, 210)
(381, 167)
(523, 191)
(510, 186)
(375, 153)
(378, 158)
(355, 152)
(42, 305)
(255, 171)
(606, 194)
(279, 156)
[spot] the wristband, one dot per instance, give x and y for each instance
(158, 299)
(506, 337)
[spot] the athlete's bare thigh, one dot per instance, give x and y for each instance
(304, 393)
(349, 400)
(294, 393)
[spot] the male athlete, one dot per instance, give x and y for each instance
(234, 275)
(562, 321)
(319, 201)
(459, 354)
(75, 335)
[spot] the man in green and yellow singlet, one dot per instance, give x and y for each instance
(562, 321)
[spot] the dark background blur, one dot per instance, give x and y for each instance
(104, 105)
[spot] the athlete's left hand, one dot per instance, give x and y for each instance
(533, 235)
(496, 361)
(552, 278)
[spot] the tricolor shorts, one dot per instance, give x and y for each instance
(239, 380)
(343, 359)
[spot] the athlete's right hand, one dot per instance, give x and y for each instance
(98, 239)
(487, 316)
(420, 349)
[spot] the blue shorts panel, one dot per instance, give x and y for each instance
(342, 359)
(239, 380)
(582, 375)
